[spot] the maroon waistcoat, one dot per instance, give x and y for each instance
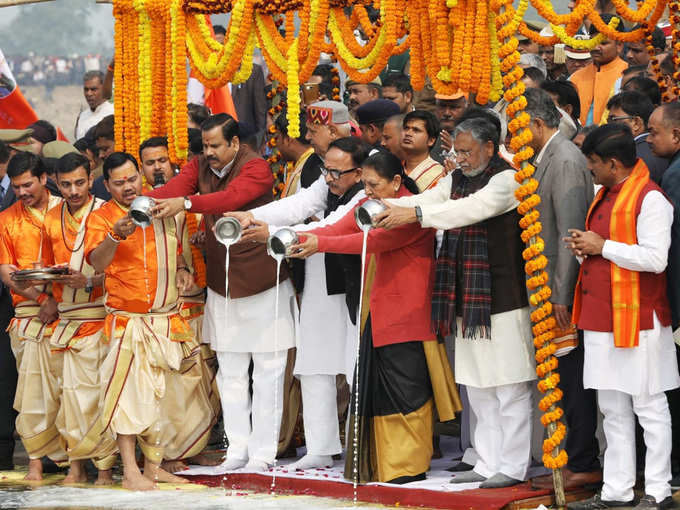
(596, 296)
(251, 270)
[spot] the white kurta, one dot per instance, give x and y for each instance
(327, 336)
(250, 325)
(88, 118)
(651, 367)
(508, 357)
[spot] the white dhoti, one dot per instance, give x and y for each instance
(247, 331)
(631, 382)
(38, 392)
(497, 373)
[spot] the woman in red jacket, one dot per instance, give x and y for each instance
(401, 364)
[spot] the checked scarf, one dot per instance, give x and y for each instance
(464, 250)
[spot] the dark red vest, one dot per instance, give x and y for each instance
(596, 296)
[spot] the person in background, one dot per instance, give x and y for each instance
(527, 60)
(419, 133)
(633, 109)
(197, 114)
(636, 52)
(577, 58)
(448, 110)
(533, 77)
(646, 86)
(105, 141)
(371, 118)
(397, 87)
(664, 140)
(99, 107)
(391, 136)
(360, 93)
(597, 81)
(43, 132)
(667, 70)
(565, 97)
(554, 70)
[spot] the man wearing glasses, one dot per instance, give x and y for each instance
(633, 109)
(330, 296)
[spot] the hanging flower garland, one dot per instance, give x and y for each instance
(553, 457)
(674, 7)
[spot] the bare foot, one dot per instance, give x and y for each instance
(204, 460)
(76, 473)
(34, 471)
(155, 473)
(174, 466)
(137, 482)
(105, 477)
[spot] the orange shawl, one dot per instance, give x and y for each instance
(625, 283)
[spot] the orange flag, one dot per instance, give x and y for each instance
(15, 112)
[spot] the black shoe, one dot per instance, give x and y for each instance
(648, 502)
(461, 466)
(596, 503)
(675, 482)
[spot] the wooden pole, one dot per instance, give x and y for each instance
(9, 3)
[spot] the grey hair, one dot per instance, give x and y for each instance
(541, 106)
(480, 129)
(396, 119)
(91, 75)
(533, 60)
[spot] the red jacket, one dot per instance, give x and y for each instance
(402, 289)
(254, 180)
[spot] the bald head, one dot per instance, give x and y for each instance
(664, 130)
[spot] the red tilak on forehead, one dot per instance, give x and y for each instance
(319, 115)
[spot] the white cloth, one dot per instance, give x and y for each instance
(502, 434)
(259, 441)
(307, 202)
(89, 118)
(325, 328)
(651, 367)
(439, 211)
(320, 414)
(506, 358)
(195, 91)
(250, 326)
(619, 411)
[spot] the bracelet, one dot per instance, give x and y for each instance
(42, 298)
(115, 237)
(185, 268)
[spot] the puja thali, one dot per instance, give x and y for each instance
(44, 273)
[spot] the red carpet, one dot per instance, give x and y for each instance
(476, 499)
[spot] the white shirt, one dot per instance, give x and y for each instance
(543, 149)
(89, 118)
(439, 211)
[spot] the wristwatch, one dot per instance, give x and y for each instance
(419, 214)
(88, 286)
(187, 203)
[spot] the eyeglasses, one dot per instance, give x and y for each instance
(463, 154)
(613, 118)
(335, 173)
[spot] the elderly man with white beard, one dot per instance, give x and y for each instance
(480, 298)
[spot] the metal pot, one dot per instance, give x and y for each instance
(365, 214)
(228, 230)
(140, 211)
(279, 244)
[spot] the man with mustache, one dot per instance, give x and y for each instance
(148, 338)
(37, 395)
(361, 93)
(481, 249)
(156, 165)
(597, 81)
(81, 320)
(231, 177)
(448, 110)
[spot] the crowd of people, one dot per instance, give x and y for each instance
(53, 70)
(158, 328)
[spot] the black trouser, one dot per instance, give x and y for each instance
(580, 411)
(8, 382)
(674, 404)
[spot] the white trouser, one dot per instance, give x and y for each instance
(502, 435)
(619, 410)
(260, 441)
(320, 414)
